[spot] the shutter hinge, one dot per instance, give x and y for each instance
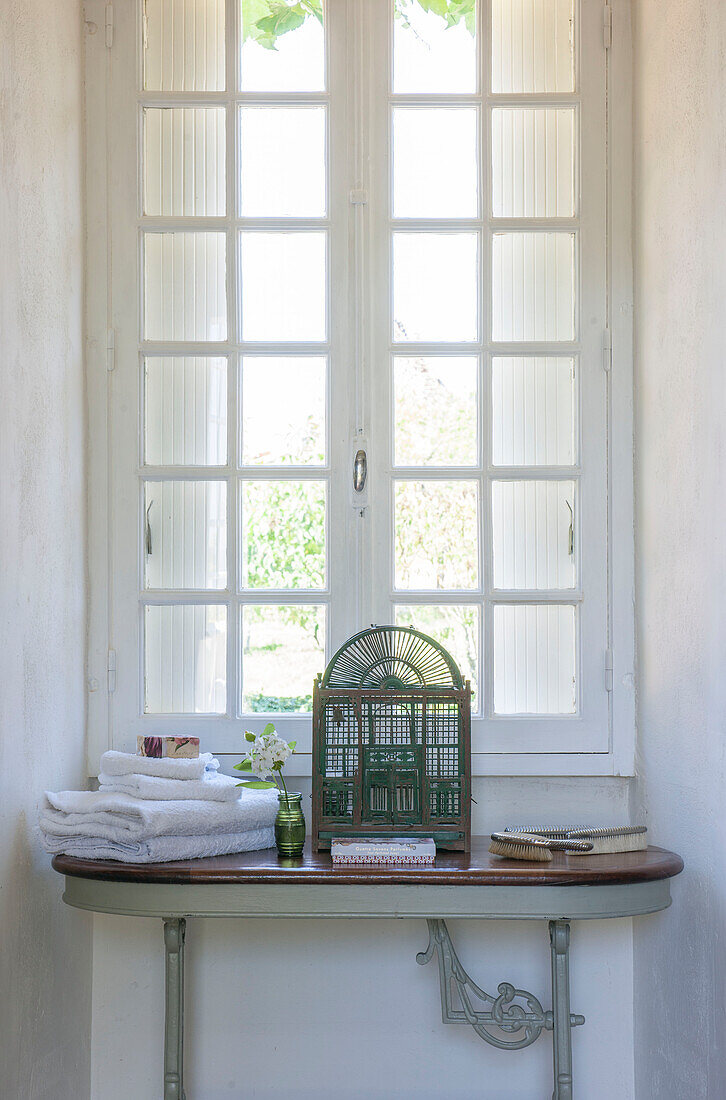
(111, 671)
(607, 26)
(109, 25)
(607, 349)
(608, 670)
(110, 349)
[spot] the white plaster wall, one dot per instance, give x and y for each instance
(339, 1010)
(680, 205)
(45, 949)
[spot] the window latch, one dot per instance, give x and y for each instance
(360, 470)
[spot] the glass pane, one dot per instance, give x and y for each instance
(282, 152)
(283, 46)
(184, 45)
(533, 286)
(283, 650)
(533, 162)
(534, 659)
(185, 296)
(435, 410)
(185, 659)
(283, 534)
(533, 533)
(435, 162)
(436, 534)
(184, 161)
(532, 46)
(185, 411)
(456, 628)
(434, 286)
(283, 286)
(283, 410)
(185, 535)
(533, 411)
(434, 46)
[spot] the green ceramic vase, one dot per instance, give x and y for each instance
(290, 824)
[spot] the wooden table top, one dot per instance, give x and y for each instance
(475, 868)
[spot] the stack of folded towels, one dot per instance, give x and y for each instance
(151, 810)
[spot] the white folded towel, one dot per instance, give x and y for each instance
(127, 763)
(161, 849)
(214, 787)
(123, 818)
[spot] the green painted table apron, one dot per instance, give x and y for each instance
(463, 885)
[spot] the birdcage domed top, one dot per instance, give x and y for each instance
(392, 657)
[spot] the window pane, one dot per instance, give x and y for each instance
(185, 297)
(283, 286)
(533, 162)
(185, 536)
(533, 533)
(184, 45)
(283, 46)
(431, 52)
(435, 410)
(282, 152)
(456, 628)
(534, 659)
(283, 534)
(283, 410)
(185, 411)
(185, 659)
(283, 650)
(434, 286)
(435, 533)
(184, 161)
(532, 46)
(533, 286)
(533, 411)
(435, 162)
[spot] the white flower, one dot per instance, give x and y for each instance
(267, 753)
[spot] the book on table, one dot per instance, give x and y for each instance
(383, 851)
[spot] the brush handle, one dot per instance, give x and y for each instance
(555, 844)
(563, 832)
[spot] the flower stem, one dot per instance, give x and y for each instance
(287, 800)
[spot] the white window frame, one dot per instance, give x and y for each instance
(112, 356)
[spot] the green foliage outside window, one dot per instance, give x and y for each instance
(265, 21)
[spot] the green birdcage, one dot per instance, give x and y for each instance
(391, 741)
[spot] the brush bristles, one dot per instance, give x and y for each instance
(510, 849)
(612, 845)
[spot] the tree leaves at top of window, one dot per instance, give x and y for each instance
(265, 21)
(452, 12)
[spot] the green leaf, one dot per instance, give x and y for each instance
(258, 785)
(243, 766)
(283, 20)
(250, 736)
(269, 728)
(292, 745)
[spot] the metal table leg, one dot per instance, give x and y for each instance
(174, 931)
(562, 1021)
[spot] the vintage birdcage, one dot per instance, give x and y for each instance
(391, 741)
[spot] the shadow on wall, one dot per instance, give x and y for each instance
(49, 964)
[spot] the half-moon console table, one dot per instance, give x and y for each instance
(474, 885)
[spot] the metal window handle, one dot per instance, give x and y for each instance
(360, 471)
(147, 532)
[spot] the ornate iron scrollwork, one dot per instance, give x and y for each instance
(512, 1020)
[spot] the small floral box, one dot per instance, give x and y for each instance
(186, 748)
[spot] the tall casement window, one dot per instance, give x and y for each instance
(359, 316)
